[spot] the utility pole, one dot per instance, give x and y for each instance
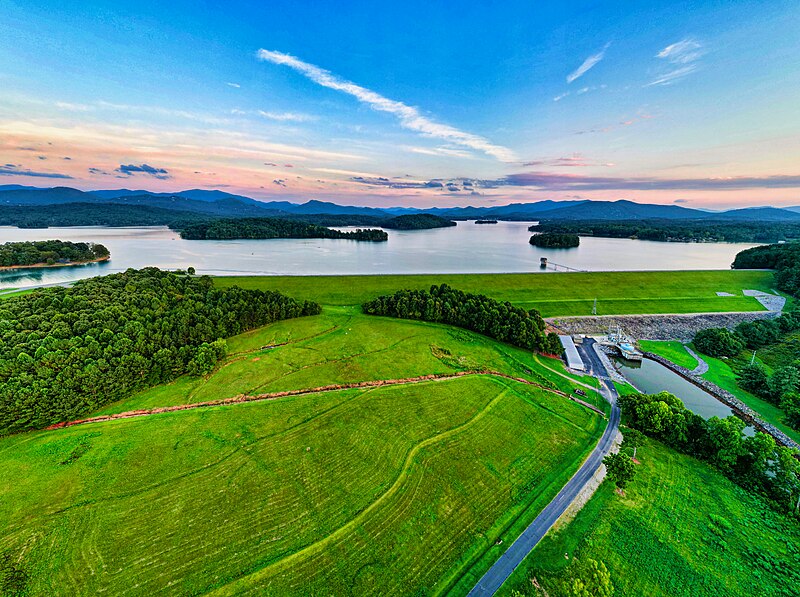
(753, 358)
(594, 307)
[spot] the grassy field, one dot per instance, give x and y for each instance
(682, 529)
(672, 350)
(344, 346)
(398, 490)
(552, 294)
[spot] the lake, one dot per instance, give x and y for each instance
(466, 248)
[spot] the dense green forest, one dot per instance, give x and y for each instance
(65, 352)
(677, 230)
(50, 252)
(783, 258)
(417, 222)
(555, 240)
(475, 312)
(755, 463)
(263, 228)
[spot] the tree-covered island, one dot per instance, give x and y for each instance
(49, 253)
(553, 240)
(266, 228)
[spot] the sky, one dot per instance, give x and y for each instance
(407, 103)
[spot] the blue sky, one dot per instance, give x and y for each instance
(407, 103)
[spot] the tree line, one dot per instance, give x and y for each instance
(555, 240)
(265, 228)
(476, 312)
(65, 352)
(677, 230)
(755, 463)
(784, 258)
(50, 252)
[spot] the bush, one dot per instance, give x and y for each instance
(718, 342)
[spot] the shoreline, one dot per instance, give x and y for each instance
(43, 265)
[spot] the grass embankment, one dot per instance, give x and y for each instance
(397, 490)
(720, 373)
(681, 529)
(344, 346)
(671, 350)
(552, 294)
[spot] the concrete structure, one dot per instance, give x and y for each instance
(571, 355)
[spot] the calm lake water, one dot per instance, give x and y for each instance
(466, 248)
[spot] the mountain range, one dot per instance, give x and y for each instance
(215, 203)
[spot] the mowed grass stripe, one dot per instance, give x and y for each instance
(150, 517)
(553, 293)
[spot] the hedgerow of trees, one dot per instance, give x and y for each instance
(65, 352)
(755, 463)
(718, 342)
(264, 228)
(783, 258)
(50, 252)
(475, 312)
(552, 240)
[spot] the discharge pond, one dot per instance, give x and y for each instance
(466, 248)
(651, 377)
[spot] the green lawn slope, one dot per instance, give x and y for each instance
(682, 529)
(393, 490)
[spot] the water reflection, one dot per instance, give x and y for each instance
(466, 248)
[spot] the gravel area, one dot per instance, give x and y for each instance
(771, 302)
(656, 327)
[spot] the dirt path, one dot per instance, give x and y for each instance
(330, 388)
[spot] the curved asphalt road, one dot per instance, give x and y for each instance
(508, 562)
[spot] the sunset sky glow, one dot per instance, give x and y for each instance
(409, 103)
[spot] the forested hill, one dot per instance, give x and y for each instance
(50, 252)
(783, 258)
(709, 230)
(264, 228)
(417, 222)
(65, 352)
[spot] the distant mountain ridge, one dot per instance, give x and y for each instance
(216, 203)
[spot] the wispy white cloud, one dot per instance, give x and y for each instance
(286, 116)
(672, 76)
(409, 116)
(560, 96)
(443, 151)
(587, 64)
(683, 57)
(234, 85)
(682, 52)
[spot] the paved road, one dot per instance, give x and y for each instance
(508, 562)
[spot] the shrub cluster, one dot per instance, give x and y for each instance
(755, 463)
(475, 312)
(49, 252)
(67, 351)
